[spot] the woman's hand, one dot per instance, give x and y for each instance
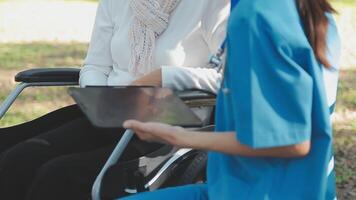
(152, 79)
(158, 132)
(224, 142)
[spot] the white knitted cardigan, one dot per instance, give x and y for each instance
(151, 19)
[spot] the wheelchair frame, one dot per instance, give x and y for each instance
(42, 77)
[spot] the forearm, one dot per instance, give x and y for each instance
(220, 142)
(227, 143)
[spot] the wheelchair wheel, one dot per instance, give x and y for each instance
(195, 172)
(190, 171)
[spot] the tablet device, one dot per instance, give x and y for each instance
(109, 107)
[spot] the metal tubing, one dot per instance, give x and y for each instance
(114, 157)
(20, 87)
(11, 98)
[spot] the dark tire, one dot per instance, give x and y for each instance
(195, 172)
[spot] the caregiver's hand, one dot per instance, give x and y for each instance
(152, 79)
(158, 132)
(225, 142)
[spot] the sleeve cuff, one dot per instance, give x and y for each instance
(168, 77)
(262, 138)
(91, 75)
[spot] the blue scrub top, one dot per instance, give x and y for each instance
(275, 93)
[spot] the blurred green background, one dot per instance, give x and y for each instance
(38, 33)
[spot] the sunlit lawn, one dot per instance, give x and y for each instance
(35, 102)
(20, 56)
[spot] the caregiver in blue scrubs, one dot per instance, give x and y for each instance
(273, 136)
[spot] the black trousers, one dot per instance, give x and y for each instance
(60, 163)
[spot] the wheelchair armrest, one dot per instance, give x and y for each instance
(49, 75)
(195, 94)
(40, 77)
(197, 97)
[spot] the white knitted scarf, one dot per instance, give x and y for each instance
(151, 18)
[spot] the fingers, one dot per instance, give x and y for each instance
(152, 131)
(133, 124)
(128, 124)
(139, 128)
(148, 127)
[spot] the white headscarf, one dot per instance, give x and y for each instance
(151, 19)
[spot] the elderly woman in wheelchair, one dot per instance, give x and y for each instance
(139, 42)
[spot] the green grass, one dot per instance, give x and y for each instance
(17, 117)
(345, 157)
(347, 92)
(19, 56)
(35, 102)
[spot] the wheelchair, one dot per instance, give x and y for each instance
(162, 167)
